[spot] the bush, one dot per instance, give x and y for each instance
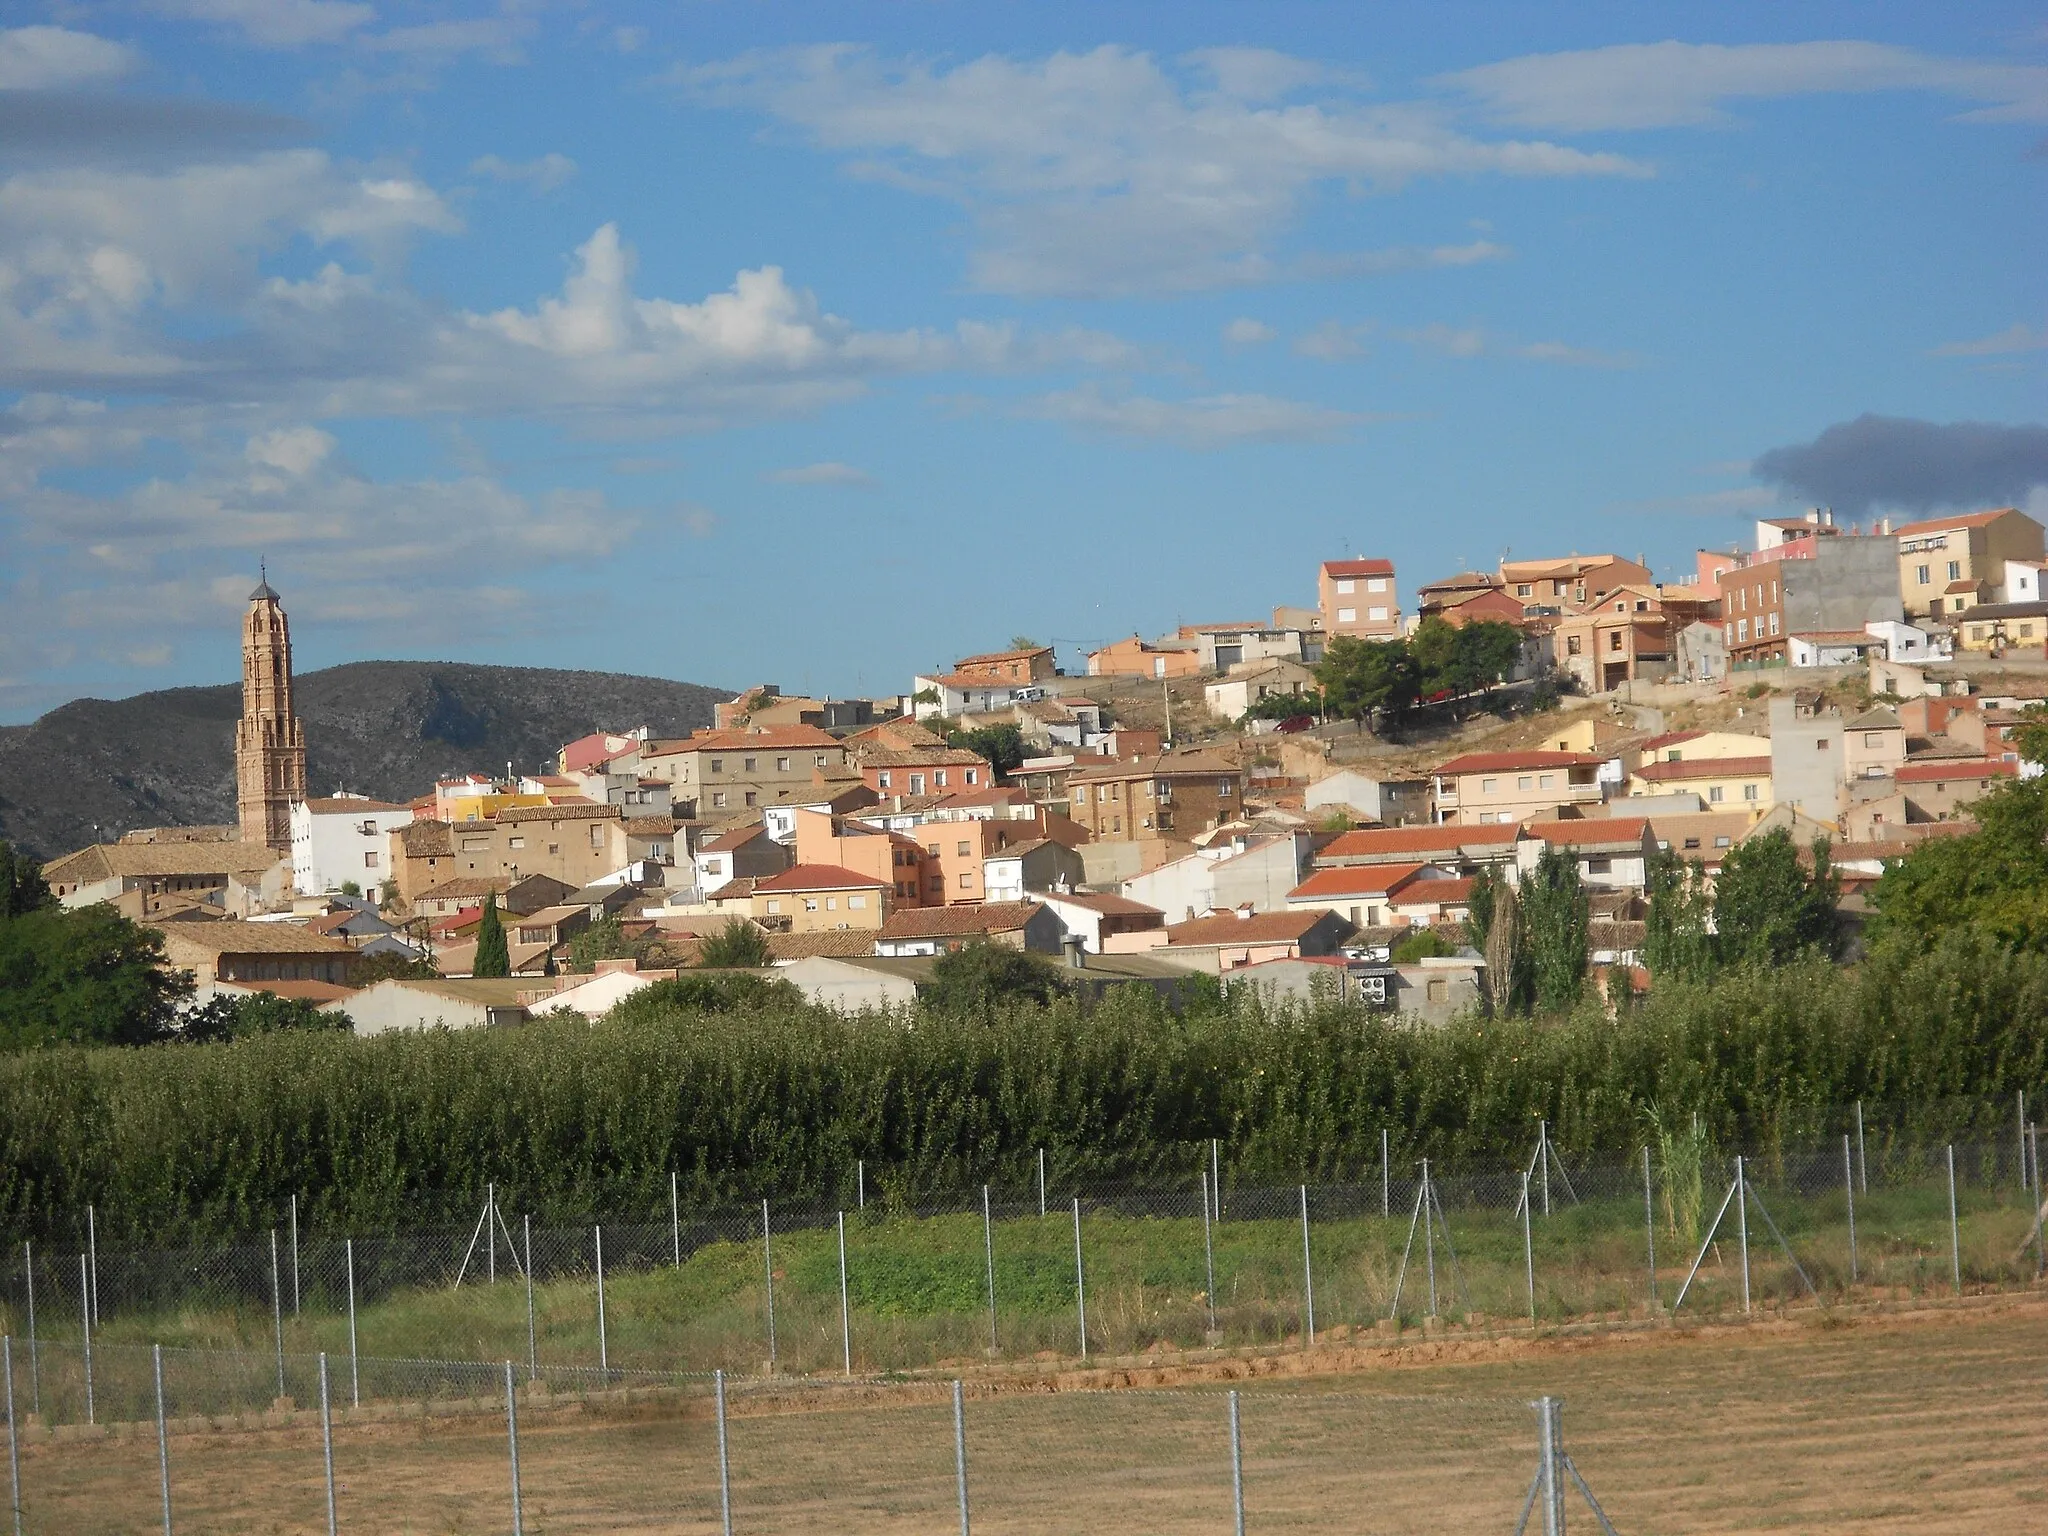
(1419, 944)
(738, 946)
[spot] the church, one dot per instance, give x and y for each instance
(270, 744)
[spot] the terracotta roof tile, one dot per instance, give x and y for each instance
(818, 877)
(1509, 762)
(958, 921)
(1356, 880)
(1353, 568)
(1259, 928)
(1706, 768)
(1955, 768)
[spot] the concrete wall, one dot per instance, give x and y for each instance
(1848, 583)
(1806, 760)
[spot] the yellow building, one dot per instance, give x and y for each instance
(1948, 565)
(1721, 782)
(815, 898)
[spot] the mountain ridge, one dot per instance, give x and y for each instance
(91, 769)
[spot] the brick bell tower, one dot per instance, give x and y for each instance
(270, 744)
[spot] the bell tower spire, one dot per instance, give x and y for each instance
(270, 744)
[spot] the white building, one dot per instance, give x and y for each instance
(2023, 581)
(343, 839)
(1906, 642)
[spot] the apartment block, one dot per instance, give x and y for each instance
(1357, 598)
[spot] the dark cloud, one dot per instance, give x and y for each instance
(95, 128)
(1893, 463)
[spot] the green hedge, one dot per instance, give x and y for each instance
(570, 1119)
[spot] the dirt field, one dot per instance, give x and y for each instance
(1927, 1420)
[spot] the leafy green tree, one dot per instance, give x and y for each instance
(1002, 745)
(1434, 648)
(1767, 908)
(223, 1017)
(1286, 706)
(1995, 878)
(979, 974)
(604, 939)
(1495, 920)
(1023, 643)
(1558, 915)
(1419, 944)
(738, 946)
(1678, 944)
(493, 954)
(2031, 737)
(1362, 678)
(22, 887)
(1487, 651)
(389, 965)
(690, 993)
(87, 977)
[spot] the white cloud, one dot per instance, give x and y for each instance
(1476, 341)
(1105, 172)
(1674, 84)
(49, 58)
(2017, 337)
(828, 473)
(1211, 421)
(277, 23)
(1398, 258)
(1244, 332)
(544, 174)
(1333, 341)
(497, 38)
(295, 450)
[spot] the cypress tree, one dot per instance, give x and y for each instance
(493, 956)
(1555, 908)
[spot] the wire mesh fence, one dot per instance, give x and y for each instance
(778, 1289)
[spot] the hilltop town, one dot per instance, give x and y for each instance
(1301, 799)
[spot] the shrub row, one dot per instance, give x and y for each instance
(570, 1119)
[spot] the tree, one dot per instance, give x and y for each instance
(1678, 944)
(2031, 737)
(224, 1017)
(1361, 678)
(1487, 651)
(979, 974)
(604, 939)
(1558, 915)
(22, 887)
(1995, 877)
(1434, 647)
(493, 955)
(1419, 944)
(389, 965)
(1768, 909)
(88, 977)
(1002, 745)
(738, 946)
(1497, 925)
(1287, 706)
(1023, 643)
(691, 993)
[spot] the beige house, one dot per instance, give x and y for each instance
(256, 955)
(1175, 796)
(1366, 894)
(202, 871)
(1873, 745)
(1948, 565)
(812, 898)
(1693, 747)
(1253, 682)
(715, 774)
(1357, 598)
(1720, 782)
(1483, 788)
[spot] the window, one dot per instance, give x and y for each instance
(1546, 780)
(855, 903)
(1714, 794)
(1080, 794)
(1600, 866)
(1614, 641)
(964, 848)
(1347, 615)
(932, 849)
(1116, 824)
(1376, 615)
(1873, 738)
(1722, 842)
(1225, 789)
(818, 761)
(369, 861)
(782, 765)
(1749, 792)
(1820, 744)
(752, 798)
(718, 765)
(1774, 623)
(939, 779)
(966, 880)
(1692, 842)
(516, 842)
(1488, 786)
(831, 903)
(1346, 586)
(1377, 584)
(1741, 630)
(1920, 575)
(718, 799)
(1621, 607)
(882, 779)
(917, 783)
(774, 907)
(1571, 645)
(1958, 605)
(810, 903)
(1955, 570)
(1523, 589)
(973, 777)
(1526, 781)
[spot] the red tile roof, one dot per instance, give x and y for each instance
(1108, 906)
(1355, 880)
(781, 738)
(1668, 739)
(1939, 524)
(1590, 832)
(1955, 768)
(1706, 768)
(958, 921)
(1441, 893)
(1350, 568)
(1508, 762)
(1259, 928)
(1415, 842)
(817, 877)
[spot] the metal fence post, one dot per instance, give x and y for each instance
(675, 1220)
(988, 1253)
(163, 1443)
(1041, 1182)
(491, 1234)
(1216, 1176)
(860, 1184)
(532, 1335)
(35, 1354)
(355, 1380)
(1528, 1251)
(297, 1310)
(1849, 1192)
(604, 1357)
(1308, 1272)
(13, 1439)
(1080, 1280)
(2023, 1139)
(1209, 1256)
(1386, 1175)
(1553, 1492)
(327, 1441)
(85, 1316)
(1236, 1468)
(1543, 1160)
(277, 1311)
(960, 1452)
(1429, 1234)
(1955, 1231)
(92, 1248)
(1650, 1224)
(1742, 1225)
(512, 1445)
(724, 1461)
(768, 1268)
(845, 1313)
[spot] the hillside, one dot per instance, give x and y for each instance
(384, 728)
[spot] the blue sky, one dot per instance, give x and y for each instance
(822, 343)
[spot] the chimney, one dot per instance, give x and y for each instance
(1077, 953)
(1245, 913)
